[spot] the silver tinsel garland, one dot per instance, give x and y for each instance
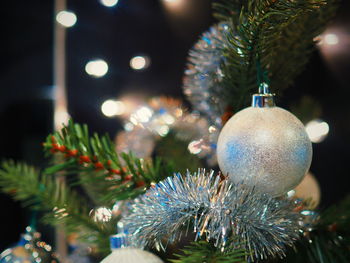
(216, 210)
(203, 74)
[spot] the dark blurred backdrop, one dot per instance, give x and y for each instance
(116, 34)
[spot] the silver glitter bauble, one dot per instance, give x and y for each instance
(267, 147)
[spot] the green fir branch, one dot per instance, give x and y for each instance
(228, 10)
(60, 204)
(329, 240)
(105, 175)
(322, 247)
(174, 150)
(270, 41)
(108, 176)
(337, 217)
(203, 251)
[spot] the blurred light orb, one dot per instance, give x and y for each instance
(175, 6)
(101, 214)
(163, 130)
(143, 114)
(66, 18)
(168, 119)
(129, 126)
(112, 108)
(194, 147)
(139, 62)
(109, 3)
(178, 112)
(212, 129)
(61, 118)
(96, 68)
(331, 39)
(317, 130)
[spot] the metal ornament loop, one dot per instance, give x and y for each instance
(264, 99)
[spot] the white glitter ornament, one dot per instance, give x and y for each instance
(131, 255)
(122, 253)
(265, 146)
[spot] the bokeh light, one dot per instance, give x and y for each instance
(168, 119)
(101, 214)
(139, 62)
(163, 130)
(96, 68)
(331, 39)
(142, 115)
(66, 18)
(112, 108)
(317, 130)
(128, 126)
(194, 147)
(176, 6)
(61, 117)
(109, 3)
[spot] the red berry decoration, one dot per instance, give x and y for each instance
(98, 166)
(84, 159)
(140, 183)
(128, 177)
(333, 227)
(73, 152)
(115, 171)
(55, 146)
(62, 148)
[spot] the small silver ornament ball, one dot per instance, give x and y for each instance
(266, 147)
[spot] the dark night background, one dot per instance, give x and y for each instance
(117, 34)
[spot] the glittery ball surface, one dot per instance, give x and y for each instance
(131, 255)
(265, 147)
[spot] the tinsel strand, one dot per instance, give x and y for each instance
(216, 210)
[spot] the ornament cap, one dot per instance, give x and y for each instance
(118, 241)
(264, 99)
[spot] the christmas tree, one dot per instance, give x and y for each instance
(158, 188)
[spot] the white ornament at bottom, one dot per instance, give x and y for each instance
(131, 255)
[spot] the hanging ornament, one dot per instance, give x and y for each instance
(123, 253)
(309, 190)
(17, 253)
(203, 74)
(30, 249)
(265, 146)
